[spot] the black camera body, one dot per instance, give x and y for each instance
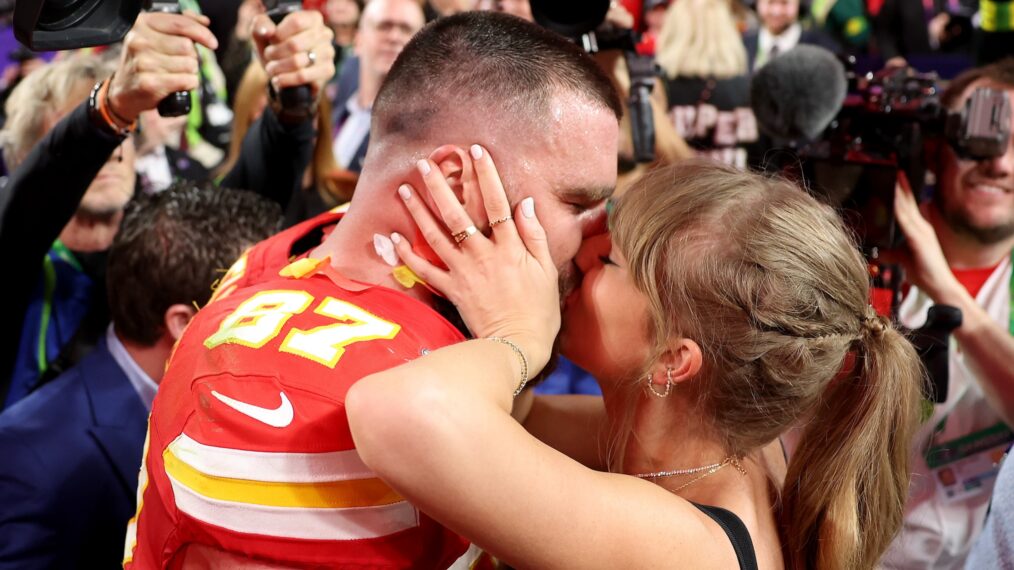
(71, 24)
(44, 25)
(880, 130)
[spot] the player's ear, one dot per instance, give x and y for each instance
(455, 164)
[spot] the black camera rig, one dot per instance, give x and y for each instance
(881, 130)
(70, 24)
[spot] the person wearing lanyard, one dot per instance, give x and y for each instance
(960, 253)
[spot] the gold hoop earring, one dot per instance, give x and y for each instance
(669, 383)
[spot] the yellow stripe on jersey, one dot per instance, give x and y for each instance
(313, 496)
(318, 495)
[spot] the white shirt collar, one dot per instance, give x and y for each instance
(785, 41)
(139, 379)
(353, 106)
(352, 132)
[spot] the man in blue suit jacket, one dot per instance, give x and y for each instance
(71, 454)
(72, 449)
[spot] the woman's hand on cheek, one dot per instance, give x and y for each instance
(503, 284)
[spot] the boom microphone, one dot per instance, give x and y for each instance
(797, 94)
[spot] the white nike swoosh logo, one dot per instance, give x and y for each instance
(279, 417)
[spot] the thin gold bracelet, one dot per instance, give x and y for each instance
(521, 355)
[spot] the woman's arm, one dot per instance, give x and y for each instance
(273, 158)
(575, 425)
(277, 149)
(439, 431)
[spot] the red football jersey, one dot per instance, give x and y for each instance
(249, 455)
(263, 261)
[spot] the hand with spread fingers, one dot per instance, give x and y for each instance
(298, 51)
(923, 259)
(504, 284)
(158, 58)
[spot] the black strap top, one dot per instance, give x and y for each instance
(739, 536)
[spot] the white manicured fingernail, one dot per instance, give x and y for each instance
(476, 151)
(396, 238)
(262, 32)
(528, 207)
(405, 192)
(385, 249)
(424, 166)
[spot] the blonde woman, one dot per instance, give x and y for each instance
(707, 84)
(725, 308)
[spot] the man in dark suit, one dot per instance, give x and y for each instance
(73, 448)
(384, 29)
(779, 32)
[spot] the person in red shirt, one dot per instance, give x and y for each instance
(959, 253)
(249, 459)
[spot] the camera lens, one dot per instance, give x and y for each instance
(62, 14)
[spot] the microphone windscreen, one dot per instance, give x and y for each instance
(797, 94)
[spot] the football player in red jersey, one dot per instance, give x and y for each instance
(249, 460)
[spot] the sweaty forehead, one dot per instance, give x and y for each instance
(573, 148)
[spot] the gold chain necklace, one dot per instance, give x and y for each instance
(705, 471)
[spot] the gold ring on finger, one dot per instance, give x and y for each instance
(497, 222)
(465, 234)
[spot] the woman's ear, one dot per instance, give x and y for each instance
(681, 363)
(455, 165)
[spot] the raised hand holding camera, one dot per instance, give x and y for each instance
(158, 59)
(297, 52)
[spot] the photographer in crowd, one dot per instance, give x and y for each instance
(69, 170)
(959, 254)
